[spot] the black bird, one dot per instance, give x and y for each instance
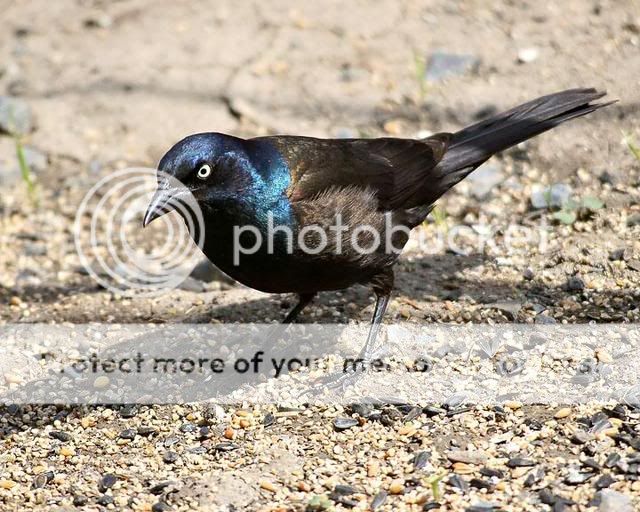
(293, 182)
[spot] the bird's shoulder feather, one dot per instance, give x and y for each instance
(394, 169)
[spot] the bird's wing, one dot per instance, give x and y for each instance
(396, 170)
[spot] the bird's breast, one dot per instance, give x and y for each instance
(305, 246)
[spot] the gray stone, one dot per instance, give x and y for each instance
(207, 272)
(613, 501)
(633, 220)
(443, 65)
(191, 285)
(575, 284)
(527, 55)
(556, 195)
(9, 175)
(544, 319)
(483, 506)
(468, 457)
(36, 160)
(575, 477)
(10, 172)
(15, 116)
(485, 179)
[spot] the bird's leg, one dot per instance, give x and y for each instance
(276, 331)
(382, 286)
(304, 299)
(382, 301)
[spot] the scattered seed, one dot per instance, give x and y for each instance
(7, 484)
(396, 487)
(519, 462)
(421, 459)
(562, 413)
(269, 420)
(101, 382)
(226, 447)
(40, 481)
(267, 486)
(378, 500)
(344, 423)
(67, 451)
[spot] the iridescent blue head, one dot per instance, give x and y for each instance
(226, 175)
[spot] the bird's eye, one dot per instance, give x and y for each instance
(204, 172)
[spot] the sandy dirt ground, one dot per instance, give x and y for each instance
(114, 84)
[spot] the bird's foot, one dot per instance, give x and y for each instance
(340, 382)
(352, 371)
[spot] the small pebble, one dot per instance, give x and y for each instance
(580, 437)
(170, 457)
(105, 500)
(107, 482)
(60, 436)
(528, 55)
(604, 481)
(421, 460)
(535, 476)
(128, 434)
(575, 477)
(128, 411)
(80, 501)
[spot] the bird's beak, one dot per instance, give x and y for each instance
(163, 201)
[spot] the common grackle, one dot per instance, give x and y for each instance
(293, 183)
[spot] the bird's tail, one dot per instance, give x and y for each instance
(475, 144)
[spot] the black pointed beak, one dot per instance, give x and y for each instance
(161, 203)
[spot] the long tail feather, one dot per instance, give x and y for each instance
(475, 144)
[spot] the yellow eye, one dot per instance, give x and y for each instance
(204, 172)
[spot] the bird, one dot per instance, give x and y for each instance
(303, 184)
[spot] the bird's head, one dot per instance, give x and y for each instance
(207, 167)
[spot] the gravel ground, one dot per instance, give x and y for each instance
(103, 86)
